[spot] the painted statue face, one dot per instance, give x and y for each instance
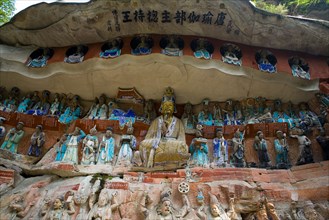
(215, 210)
(19, 126)
(108, 133)
(198, 133)
(261, 135)
(93, 131)
(165, 208)
(219, 134)
(279, 135)
(168, 108)
(57, 204)
(130, 130)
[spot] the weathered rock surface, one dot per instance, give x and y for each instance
(57, 25)
(302, 184)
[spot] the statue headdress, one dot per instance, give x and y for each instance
(93, 129)
(168, 96)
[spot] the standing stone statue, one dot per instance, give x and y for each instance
(89, 146)
(281, 148)
(305, 150)
(106, 148)
(71, 154)
(38, 139)
(260, 146)
(199, 149)
(220, 149)
(61, 147)
(128, 143)
(237, 158)
(13, 138)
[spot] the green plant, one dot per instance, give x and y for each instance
(277, 9)
(7, 8)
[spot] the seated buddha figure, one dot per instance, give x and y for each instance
(165, 139)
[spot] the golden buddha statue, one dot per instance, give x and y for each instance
(165, 139)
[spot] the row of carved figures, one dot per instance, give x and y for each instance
(95, 199)
(95, 151)
(172, 46)
(67, 107)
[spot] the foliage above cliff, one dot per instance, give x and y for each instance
(291, 7)
(7, 8)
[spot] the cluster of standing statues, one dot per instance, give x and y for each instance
(165, 141)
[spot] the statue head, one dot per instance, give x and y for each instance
(237, 134)
(215, 211)
(279, 134)
(19, 125)
(229, 105)
(45, 95)
(165, 208)
(219, 133)
(38, 128)
(93, 131)
(109, 131)
(102, 99)
(199, 130)
(58, 204)
(167, 108)
(168, 102)
(205, 105)
(260, 135)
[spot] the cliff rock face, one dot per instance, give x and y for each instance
(58, 24)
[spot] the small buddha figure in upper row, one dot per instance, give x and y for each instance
(141, 45)
(112, 48)
(172, 45)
